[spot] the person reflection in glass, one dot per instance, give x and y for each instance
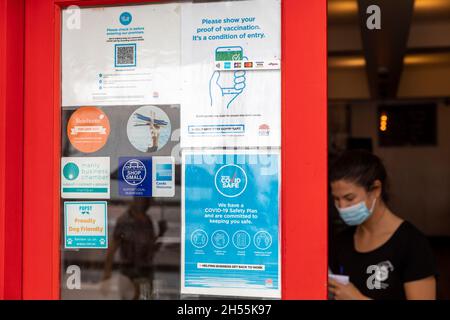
(136, 238)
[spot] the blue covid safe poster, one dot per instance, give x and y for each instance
(231, 223)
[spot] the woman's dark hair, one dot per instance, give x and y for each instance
(360, 167)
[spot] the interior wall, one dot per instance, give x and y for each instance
(429, 33)
(339, 80)
(425, 81)
(419, 176)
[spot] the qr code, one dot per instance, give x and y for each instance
(125, 55)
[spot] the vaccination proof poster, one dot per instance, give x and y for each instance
(231, 223)
(231, 90)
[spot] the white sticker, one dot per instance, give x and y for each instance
(85, 225)
(85, 178)
(163, 181)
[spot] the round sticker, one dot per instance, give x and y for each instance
(88, 129)
(149, 129)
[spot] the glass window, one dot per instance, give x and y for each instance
(170, 146)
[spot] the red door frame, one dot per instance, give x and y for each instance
(304, 150)
(11, 147)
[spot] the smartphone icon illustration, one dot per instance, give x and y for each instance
(229, 53)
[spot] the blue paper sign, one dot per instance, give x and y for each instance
(231, 224)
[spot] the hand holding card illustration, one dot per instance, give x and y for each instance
(222, 91)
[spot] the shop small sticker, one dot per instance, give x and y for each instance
(135, 177)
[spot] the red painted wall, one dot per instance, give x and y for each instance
(304, 186)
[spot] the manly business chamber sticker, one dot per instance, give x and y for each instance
(85, 178)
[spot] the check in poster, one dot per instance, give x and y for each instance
(231, 224)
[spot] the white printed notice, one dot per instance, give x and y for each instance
(231, 91)
(121, 55)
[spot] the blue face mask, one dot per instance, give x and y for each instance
(356, 214)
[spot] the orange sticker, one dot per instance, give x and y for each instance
(88, 129)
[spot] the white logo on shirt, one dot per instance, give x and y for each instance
(378, 274)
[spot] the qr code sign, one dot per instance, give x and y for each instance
(125, 55)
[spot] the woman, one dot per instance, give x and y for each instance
(384, 256)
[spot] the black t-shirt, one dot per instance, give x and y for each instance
(380, 274)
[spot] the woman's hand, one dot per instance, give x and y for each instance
(344, 291)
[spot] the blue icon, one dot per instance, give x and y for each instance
(220, 239)
(125, 18)
(71, 171)
(134, 172)
(241, 239)
(199, 238)
(262, 240)
(164, 172)
(231, 181)
(227, 65)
